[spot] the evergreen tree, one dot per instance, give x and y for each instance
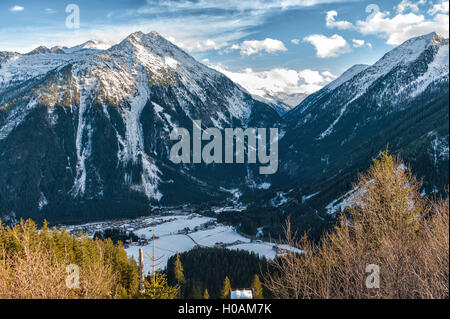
(209, 266)
(40, 257)
(257, 288)
(157, 288)
(196, 292)
(225, 294)
(206, 294)
(178, 270)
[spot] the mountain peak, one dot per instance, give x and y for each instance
(430, 38)
(136, 35)
(156, 34)
(408, 51)
(141, 44)
(436, 38)
(139, 36)
(40, 50)
(92, 45)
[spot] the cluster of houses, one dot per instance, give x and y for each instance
(128, 225)
(205, 226)
(131, 225)
(225, 245)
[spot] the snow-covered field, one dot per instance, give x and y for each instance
(170, 240)
(165, 247)
(179, 232)
(172, 224)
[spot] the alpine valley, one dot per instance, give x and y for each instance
(84, 134)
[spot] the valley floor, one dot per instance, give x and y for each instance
(177, 232)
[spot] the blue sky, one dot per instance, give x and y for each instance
(302, 43)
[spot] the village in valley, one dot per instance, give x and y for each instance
(176, 231)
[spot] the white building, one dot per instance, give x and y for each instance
(241, 294)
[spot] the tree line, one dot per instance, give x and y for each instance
(213, 272)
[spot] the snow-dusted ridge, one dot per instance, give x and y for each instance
(404, 54)
(424, 59)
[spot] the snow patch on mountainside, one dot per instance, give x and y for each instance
(306, 197)
(42, 201)
(340, 204)
(83, 145)
(171, 62)
(15, 117)
(131, 114)
(436, 69)
(439, 148)
(150, 178)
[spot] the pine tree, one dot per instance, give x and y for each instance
(40, 257)
(196, 292)
(225, 294)
(206, 294)
(158, 288)
(178, 270)
(257, 288)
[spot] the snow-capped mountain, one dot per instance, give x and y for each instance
(401, 102)
(83, 129)
(280, 101)
(409, 68)
(95, 45)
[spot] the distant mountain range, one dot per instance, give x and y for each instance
(281, 102)
(84, 131)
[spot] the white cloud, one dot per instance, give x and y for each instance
(332, 23)
(255, 46)
(402, 27)
(16, 9)
(327, 47)
(195, 45)
(358, 43)
(409, 5)
(255, 6)
(295, 41)
(278, 80)
(221, 21)
(207, 45)
(439, 8)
